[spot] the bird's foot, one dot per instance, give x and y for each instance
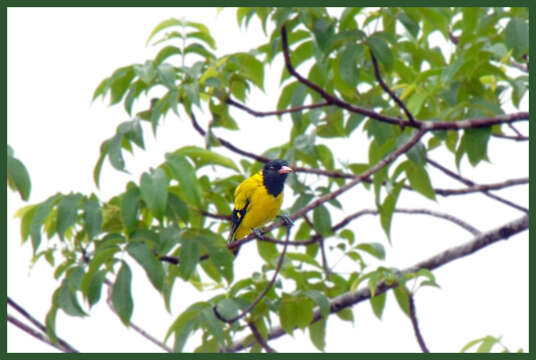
(259, 234)
(287, 220)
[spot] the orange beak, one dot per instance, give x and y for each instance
(285, 170)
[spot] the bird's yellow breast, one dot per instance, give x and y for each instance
(261, 206)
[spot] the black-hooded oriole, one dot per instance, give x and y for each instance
(258, 199)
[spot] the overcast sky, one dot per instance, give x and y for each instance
(56, 58)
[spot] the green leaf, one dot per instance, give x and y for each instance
(516, 35)
(119, 83)
(325, 156)
(65, 299)
(251, 68)
(154, 192)
(348, 64)
(130, 203)
(185, 323)
(213, 325)
(185, 173)
(288, 314)
(203, 36)
(381, 50)
(114, 152)
(67, 211)
(50, 322)
(417, 154)
(286, 95)
(95, 287)
(92, 217)
(317, 334)
(411, 26)
(267, 251)
(164, 25)
(228, 308)
(321, 300)
(18, 177)
(346, 314)
(402, 298)
(373, 248)
(378, 304)
(41, 213)
(203, 157)
(419, 180)
(475, 143)
(387, 208)
(121, 294)
(322, 220)
(189, 256)
(469, 22)
(146, 72)
(145, 257)
(165, 53)
(177, 208)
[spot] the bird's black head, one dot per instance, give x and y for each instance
(274, 175)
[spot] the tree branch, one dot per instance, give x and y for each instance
(352, 298)
(415, 323)
(259, 338)
(276, 112)
(510, 137)
(388, 90)
(470, 183)
(38, 335)
(482, 187)
(62, 343)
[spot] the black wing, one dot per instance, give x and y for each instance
(236, 219)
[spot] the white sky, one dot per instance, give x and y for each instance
(56, 58)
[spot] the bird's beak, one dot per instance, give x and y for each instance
(285, 170)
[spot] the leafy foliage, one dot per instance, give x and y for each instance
(162, 215)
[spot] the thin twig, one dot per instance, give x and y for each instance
(352, 298)
(38, 335)
(388, 90)
(264, 292)
(40, 326)
(415, 323)
(510, 137)
(259, 338)
(134, 327)
(482, 187)
(276, 112)
(471, 183)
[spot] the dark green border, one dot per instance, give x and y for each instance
(209, 3)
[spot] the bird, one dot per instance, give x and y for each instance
(258, 199)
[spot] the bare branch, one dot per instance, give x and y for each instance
(259, 338)
(415, 323)
(38, 335)
(470, 183)
(482, 187)
(510, 137)
(454, 253)
(388, 90)
(227, 144)
(276, 112)
(23, 312)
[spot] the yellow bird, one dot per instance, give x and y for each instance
(258, 199)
